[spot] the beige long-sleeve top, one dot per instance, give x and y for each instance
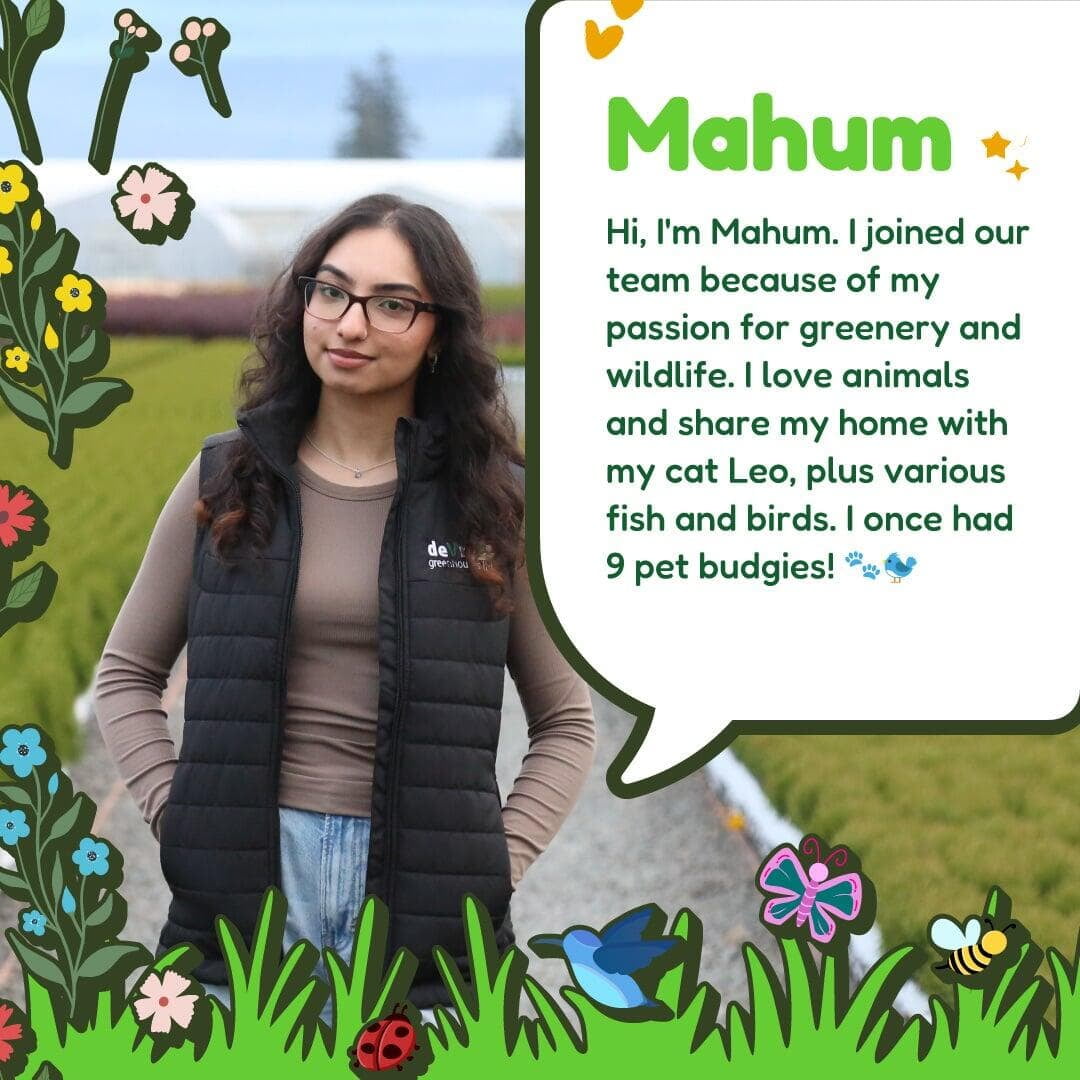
(331, 707)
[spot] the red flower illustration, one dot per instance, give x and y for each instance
(9, 1033)
(12, 517)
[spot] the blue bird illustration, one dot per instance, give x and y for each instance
(603, 965)
(897, 568)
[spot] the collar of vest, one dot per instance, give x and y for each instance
(277, 426)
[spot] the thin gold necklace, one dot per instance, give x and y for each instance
(356, 470)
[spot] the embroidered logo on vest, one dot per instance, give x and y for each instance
(444, 554)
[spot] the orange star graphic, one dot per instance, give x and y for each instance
(995, 145)
(1017, 170)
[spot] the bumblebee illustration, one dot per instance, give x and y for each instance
(968, 949)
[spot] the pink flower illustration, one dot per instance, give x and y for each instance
(165, 1001)
(12, 518)
(147, 198)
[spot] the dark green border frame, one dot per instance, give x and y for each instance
(641, 711)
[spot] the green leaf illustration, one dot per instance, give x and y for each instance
(26, 37)
(36, 17)
(42, 966)
(48, 1071)
(28, 596)
(6, 234)
(47, 259)
(14, 885)
(39, 314)
(28, 406)
(102, 912)
(57, 882)
(66, 820)
(24, 588)
(88, 395)
(15, 795)
(98, 963)
(84, 350)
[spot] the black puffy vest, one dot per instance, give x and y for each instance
(436, 814)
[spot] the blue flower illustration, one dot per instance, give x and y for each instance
(13, 826)
(92, 857)
(22, 750)
(33, 922)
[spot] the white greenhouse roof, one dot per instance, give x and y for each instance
(250, 214)
(261, 183)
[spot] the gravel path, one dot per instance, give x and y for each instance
(670, 848)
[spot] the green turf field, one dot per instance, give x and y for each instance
(499, 299)
(101, 511)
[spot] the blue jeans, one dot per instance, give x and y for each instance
(323, 870)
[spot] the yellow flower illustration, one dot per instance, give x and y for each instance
(16, 358)
(5, 261)
(35, 221)
(73, 293)
(51, 340)
(12, 189)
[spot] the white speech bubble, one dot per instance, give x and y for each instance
(978, 632)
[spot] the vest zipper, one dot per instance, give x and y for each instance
(279, 727)
(403, 653)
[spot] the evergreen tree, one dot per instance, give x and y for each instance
(380, 126)
(511, 143)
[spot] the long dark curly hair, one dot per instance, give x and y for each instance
(240, 504)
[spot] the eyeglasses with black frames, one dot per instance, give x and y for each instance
(391, 314)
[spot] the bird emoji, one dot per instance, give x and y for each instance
(897, 568)
(603, 964)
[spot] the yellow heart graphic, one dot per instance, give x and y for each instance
(625, 8)
(601, 44)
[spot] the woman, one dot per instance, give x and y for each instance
(350, 591)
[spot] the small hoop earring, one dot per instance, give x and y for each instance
(433, 360)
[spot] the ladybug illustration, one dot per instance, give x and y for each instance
(385, 1044)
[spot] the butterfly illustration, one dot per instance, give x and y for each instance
(810, 895)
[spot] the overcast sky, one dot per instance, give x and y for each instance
(461, 65)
